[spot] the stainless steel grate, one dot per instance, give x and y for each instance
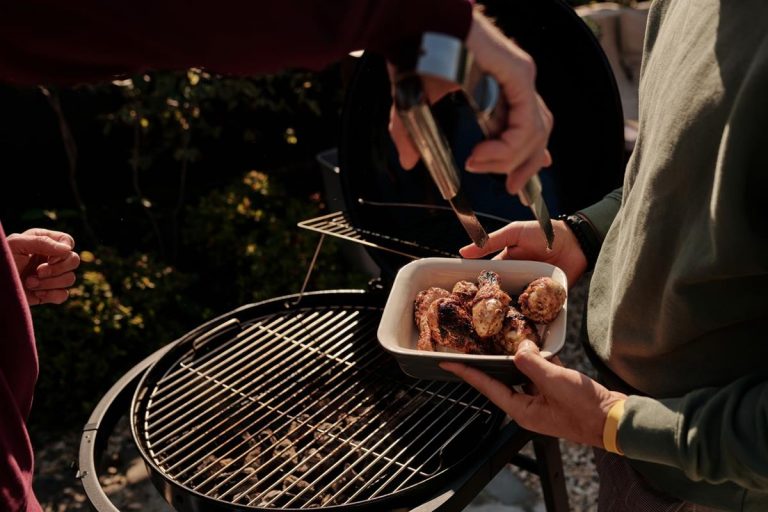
(303, 409)
(338, 224)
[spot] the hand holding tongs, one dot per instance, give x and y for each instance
(446, 58)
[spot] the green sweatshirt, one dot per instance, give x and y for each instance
(678, 304)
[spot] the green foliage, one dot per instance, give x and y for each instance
(182, 230)
(119, 311)
(246, 239)
(241, 245)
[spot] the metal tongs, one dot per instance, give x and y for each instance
(446, 58)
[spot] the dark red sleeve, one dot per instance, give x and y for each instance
(18, 373)
(81, 40)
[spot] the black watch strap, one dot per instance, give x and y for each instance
(586, 234)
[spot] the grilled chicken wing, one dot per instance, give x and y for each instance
(451, 326)
(489, 306)
(425, 335)
(516, 328)
(423, 300)
(427, 297)
(464, 291)
(542, 300)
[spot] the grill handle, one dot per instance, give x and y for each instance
(100, 425)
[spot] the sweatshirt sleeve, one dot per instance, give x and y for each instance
(713, 434)
(602, 213)
(47, 41)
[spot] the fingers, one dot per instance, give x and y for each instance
(515, 252)
(39, 244)
(37, 297)
(529, 361)
(499, 239)
(59, 266)
(514, 404)
(520, 152)
(59, 236)
(52, 283)
(521, 148)
(517, 178)
(512, 234)
(546, 376)
(409, 155)
(45, 262)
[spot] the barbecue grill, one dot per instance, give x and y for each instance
(291, 403)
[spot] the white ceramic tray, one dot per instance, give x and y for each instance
(398, 334)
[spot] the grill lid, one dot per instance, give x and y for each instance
(300, 408)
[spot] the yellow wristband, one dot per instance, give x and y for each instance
(611, 428)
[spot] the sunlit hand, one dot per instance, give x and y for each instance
(566, 403)
(520, 149)
(45, 261)
(524, 240)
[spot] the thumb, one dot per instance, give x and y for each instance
(40, 245)
(498, 240)
(532, 365)
(517, 252)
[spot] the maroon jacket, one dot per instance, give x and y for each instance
(46, 41)
(58, 41)
(18, 373)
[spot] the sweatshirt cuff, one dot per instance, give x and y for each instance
(602, 213)
(648, 430)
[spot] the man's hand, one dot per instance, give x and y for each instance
(520, 149)
(566, 403)
(523, 240)
(45, 261)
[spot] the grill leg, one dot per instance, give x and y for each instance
(550, 469)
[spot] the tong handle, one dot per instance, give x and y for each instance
(434, 149)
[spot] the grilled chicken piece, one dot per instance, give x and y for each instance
(420, 306)
(490, 305)
(464, 291)
(516, 329)
(451, 326)
(425, 298)
(542, 300)
(425, 335)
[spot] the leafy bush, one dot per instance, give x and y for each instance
(154, 180)
(245, 238)
(239, 244)
(120, 310)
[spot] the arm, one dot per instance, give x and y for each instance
(712, 434)
(88, 40)
(602, 213)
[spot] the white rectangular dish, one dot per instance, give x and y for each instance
(398, 333)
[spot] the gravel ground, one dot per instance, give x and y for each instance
(127, 484)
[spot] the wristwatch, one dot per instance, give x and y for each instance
(586, 235)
